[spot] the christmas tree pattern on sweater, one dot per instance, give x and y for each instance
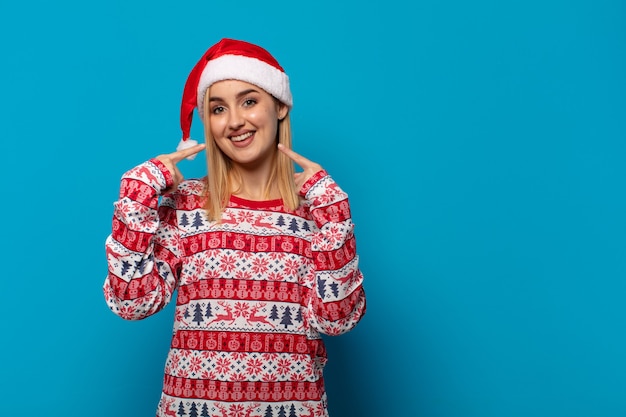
(253, 292)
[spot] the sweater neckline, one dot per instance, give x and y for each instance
(255, 204)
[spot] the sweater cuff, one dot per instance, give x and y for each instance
(169, 180)
(311, 182)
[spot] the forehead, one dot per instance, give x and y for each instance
(232, 88)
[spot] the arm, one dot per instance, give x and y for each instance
(143, 254)
(143, 251)
(337, 299)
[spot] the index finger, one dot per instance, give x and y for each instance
(186, 153)
(295, 157)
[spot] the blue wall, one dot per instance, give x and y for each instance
(482, 143)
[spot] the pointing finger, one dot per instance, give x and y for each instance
(295, 157)
(185, 153)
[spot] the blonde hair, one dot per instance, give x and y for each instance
(218, 183)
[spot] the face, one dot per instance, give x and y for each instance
(243, 119)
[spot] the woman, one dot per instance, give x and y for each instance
(263, 259)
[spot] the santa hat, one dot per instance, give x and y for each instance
(230, 60)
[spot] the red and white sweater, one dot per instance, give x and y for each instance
(254, 292)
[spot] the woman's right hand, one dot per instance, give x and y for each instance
(172, 159)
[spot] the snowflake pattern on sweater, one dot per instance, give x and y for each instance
(254, 292)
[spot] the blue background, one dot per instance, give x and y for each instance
(483, 147)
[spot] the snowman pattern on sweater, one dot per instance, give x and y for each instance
(253, 292)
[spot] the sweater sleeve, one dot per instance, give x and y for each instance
(337, 300)
(143, 250)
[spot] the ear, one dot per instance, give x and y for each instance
(282, 110)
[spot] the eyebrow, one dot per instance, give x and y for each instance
(239, 95)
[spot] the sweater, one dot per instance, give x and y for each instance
(253, 292)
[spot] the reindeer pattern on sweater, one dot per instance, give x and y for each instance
(253, 292)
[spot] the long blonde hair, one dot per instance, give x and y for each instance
(218, 184)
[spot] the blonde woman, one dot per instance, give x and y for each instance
(261, 259)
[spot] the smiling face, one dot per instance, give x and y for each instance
(243, 120)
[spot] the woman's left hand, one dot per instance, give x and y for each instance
(308, 167)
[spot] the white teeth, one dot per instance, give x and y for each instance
(241, 137)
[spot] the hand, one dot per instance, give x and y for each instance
(170, 161)
(308, 167)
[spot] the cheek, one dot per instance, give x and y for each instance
(262, 116)
(255, 117)
(268, 119)
(216, 124)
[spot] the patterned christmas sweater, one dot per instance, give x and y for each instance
(253, 292)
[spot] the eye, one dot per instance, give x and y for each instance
(217, 110)
(249, 102)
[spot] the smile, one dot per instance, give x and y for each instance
(241, 137)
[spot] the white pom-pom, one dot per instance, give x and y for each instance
(185, 144)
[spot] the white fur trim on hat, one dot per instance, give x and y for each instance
(250, 70)
(185, 144)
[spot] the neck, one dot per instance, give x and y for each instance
(253, 183)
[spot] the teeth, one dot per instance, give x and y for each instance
(241, 137)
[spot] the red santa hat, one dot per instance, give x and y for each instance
(230, 59)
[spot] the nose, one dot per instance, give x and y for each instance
(235, 119)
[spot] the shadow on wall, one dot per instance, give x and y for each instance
(352, 372)
(345, 381)
(377, 370)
